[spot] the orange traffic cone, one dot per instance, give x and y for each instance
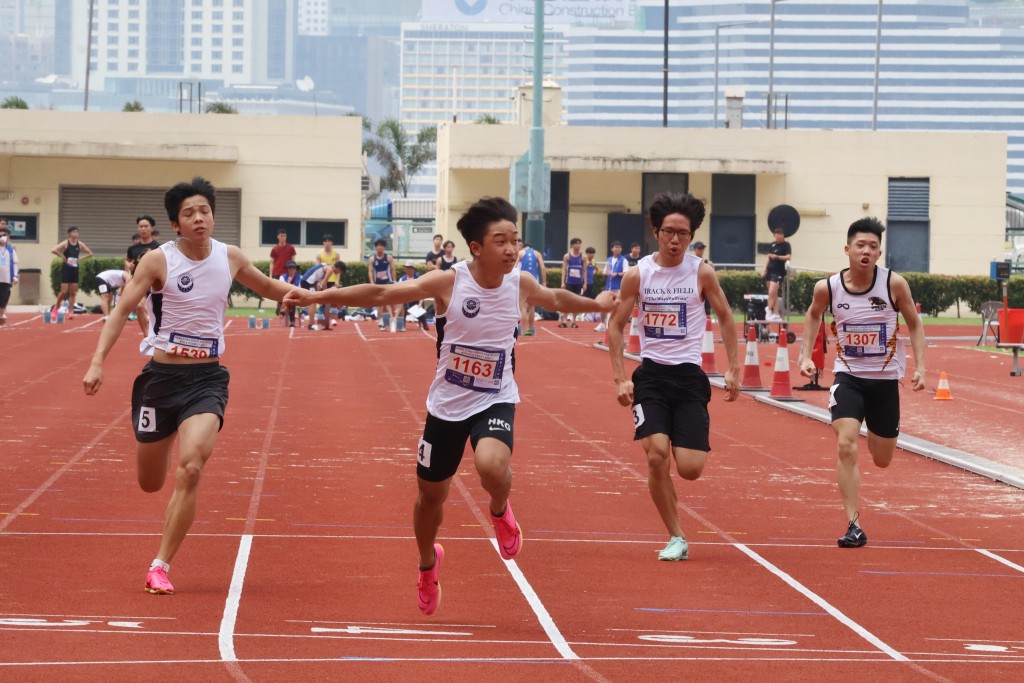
(707, 352)
(751, 365)
(633, 343)
(781, 388)
(942, 394)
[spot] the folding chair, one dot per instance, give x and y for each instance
(989, 321)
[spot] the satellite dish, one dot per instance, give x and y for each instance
(786, 217)
(305, 84)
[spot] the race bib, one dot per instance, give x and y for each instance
(861, 340)
(187, 346)
(383, 276)
(73, 261)
(475, 369)
(103, 289)
(664, 320)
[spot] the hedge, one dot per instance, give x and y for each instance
(935, 293)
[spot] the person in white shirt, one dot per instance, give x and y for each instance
(8, 269)
(669, 392)
(473, 394)
(183, 390)
(865, 301)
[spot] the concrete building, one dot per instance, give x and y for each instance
(941, 194)
(98, 171)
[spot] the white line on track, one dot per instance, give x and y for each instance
(225, 637)
(13, 514)
(1003, 560)
(79, 328)
(25, 321)
(822, 603)
(554, 635)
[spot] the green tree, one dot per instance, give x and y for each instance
(220, 108)
(402, 156)
(134, 105)
(14, 102)
(489, 119)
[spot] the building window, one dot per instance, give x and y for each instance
(112, 53)
(196, 68)
(217, 54)
(197, 28)
(197, 15)
(218, 42)
(217, 68)
(111, 66)
(238, 16)
(112, 27)
(218, 16)
(112, 14)
(133, 40)
(133, 54)
(237, 42)
(197, 42)
(236, 69)
(303, 232)
(238, 56)
(133, 28)
(133, 66)
(133, 14)
(218, 28)
(197, 54)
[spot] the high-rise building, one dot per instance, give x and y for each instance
(937, 68)
(147, 47)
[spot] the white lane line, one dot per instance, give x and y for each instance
(546, 622)
(822, 603)
(226, 635)
(79, 328)
(225, 638)
(997, 558)
(24, 321)
(13, 514)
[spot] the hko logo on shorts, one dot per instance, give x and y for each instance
(494, 424)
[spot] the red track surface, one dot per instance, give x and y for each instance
(315, 469)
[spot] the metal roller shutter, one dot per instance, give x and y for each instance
(105, 216)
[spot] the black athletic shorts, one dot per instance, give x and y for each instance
(575, 289)
(104, 287)
(774, 277)
(5, 294)
(876, 402)
(672, 400)
(166, 394)
(69, 275)
(440, 450)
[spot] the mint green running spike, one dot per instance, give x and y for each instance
(677, 549)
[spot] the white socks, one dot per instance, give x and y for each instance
(160, 563)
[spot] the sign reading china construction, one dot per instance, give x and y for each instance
(576, 12)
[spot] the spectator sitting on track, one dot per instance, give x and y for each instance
(291, 277)
(865, 301)
(182, 390)
(473, 394)
(669, 392)
(411, 274)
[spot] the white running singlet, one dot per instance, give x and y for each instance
(186, 317)
(672, 318)
(475, 347)
(866, 328)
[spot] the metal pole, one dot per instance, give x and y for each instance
(664, 69)
(88, 55)
(771, 67)
(535, 219)
(718, 30)
(878, 57)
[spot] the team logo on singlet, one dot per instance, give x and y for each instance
(185, 282)
(877, 303)
(471, 308)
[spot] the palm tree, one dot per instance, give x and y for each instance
(489, 119)
(402, 157)
(14, 102)
(220, 108)
(134, 105)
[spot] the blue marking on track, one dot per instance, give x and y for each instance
(996, 576)
(729, 611)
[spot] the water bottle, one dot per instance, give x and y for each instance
(60, 316)
(266, 323)
(47, 316)
(252, 322)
